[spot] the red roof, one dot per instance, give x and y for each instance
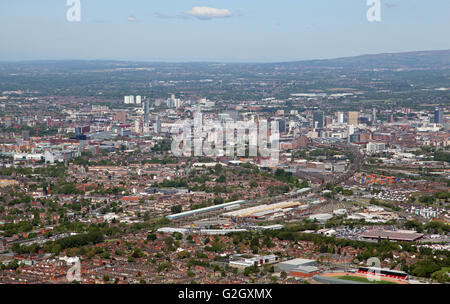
(130, 198)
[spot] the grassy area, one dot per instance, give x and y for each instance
(363, 280)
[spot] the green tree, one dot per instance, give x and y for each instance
(151, 237)
(176, 209)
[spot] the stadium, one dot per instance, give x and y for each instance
(364, 275)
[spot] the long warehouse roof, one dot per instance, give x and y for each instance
(252, 210)
(202, 210)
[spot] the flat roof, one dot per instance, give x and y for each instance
(276, 226)
(303, 190)
(392, 235)
(261, 208)
(201, 210)
(306, 269)
(298, 261)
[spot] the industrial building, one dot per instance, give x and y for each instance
(220, 231)
(172, 230)
(240, 261)
(299, 267)
(304, 190)
(270, 227)
(399, 235)
(203, 210)
(261, 210)
(321, 217)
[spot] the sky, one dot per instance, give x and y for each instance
(218, 30)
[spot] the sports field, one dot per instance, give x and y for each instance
(358, 277)
(363, 280)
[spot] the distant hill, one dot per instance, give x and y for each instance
(414, 60)
(381, 76)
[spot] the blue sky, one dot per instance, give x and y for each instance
(248, 30)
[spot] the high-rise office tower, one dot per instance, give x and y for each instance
(137, 126)
(79, 131)
(146, 112)
(198, 133)
(374, 116)
(353, 118)
(340, 116)
(281, 125)
(318, 120)
(391, 118)
(157, 128)
(351, 129)
(178, 103)
(438, 116)
(128, 99)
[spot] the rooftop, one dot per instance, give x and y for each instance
(392, 235)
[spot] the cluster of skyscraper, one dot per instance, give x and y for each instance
(143, 126)
(351, 118)
(131, 100)
(174, 102)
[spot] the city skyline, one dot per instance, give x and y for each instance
(217, 147)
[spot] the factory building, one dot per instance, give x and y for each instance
(239, 261)
(203, 210)
(399, 235)
(299, 267)
(260, 210)
(321, 217)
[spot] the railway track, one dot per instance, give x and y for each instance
(325, 179)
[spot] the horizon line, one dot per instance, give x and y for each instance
(219, 61)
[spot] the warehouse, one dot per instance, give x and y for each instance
(172, 230)
(220, 231)
(270, 227)
(321, 217)
(299, 267)
(212, 223)
(260, 209)
(304, 190)
(265, 214)
(203, 210)
(399, 235)
(243, 262)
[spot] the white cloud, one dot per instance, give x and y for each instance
(206, 13)
(132, 19)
